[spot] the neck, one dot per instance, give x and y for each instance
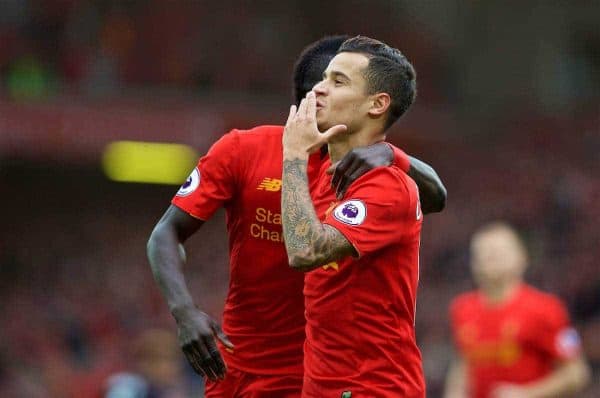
(501, 292)
(339, 148)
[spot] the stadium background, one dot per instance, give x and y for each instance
(508, 113)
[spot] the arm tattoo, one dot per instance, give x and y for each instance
(308, 242)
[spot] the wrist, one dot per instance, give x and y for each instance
(180, 311)
(400, 158)
(292, 154)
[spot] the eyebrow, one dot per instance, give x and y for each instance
(336, 73)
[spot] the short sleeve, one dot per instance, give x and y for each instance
(382, 211)
(557, 338)
(213, 182)
(401, 159)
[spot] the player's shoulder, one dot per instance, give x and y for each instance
(254, 140)
(464, 301)
(543, 308)
(464, 307)
(396, 174)
(541, 300)
(388, 187)
(392, 172)
(388, 178)
(258, 132)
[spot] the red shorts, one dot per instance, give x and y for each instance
(311, 389)
(238, 384)
(341, 388)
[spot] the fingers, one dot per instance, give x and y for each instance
(348, 180)
(302, 109)
(197, 361)
(341, 182)
(331, 169)
(339, 172)
(291, 115)
(205, 358)
(216, 360)
(311, 105)
(209, 366)
(341, 168)
(308, 107)
(221, 335)
(194, 363)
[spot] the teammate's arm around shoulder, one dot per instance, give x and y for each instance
(196, 330)
(432, 191)
(361, 160)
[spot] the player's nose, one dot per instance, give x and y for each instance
(320, 88)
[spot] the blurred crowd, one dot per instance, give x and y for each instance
(80, 312)
(101, 47)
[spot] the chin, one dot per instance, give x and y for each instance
(322, 124)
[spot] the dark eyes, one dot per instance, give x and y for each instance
(336, 81)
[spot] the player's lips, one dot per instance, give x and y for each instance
(320, 105)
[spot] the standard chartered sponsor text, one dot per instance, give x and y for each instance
(267, 225)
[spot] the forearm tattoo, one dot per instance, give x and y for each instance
(308, 242)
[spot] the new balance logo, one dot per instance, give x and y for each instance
(270, 184)
(332, 265)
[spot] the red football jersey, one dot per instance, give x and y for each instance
(513, 342)
(264, 310)
(360, 311)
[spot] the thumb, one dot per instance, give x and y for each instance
(333, 131)
(221, 335)
(326, 136)
(332, 168)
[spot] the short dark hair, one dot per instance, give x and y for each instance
(388, 71)
(312, 62)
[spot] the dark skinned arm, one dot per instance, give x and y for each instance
(360, 160)
(432, 191)
(196, 330)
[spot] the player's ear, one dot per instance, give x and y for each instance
(380, 103)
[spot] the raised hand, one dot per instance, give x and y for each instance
(301, 135)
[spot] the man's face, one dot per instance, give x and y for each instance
(496, 258)
(342, 94)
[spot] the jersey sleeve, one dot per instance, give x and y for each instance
(401, 159)
(557, 337)
(213, 182)
(383, 209)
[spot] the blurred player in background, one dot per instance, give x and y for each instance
(264, 311)
(361, 253)
(157, 373)
(513, 340)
